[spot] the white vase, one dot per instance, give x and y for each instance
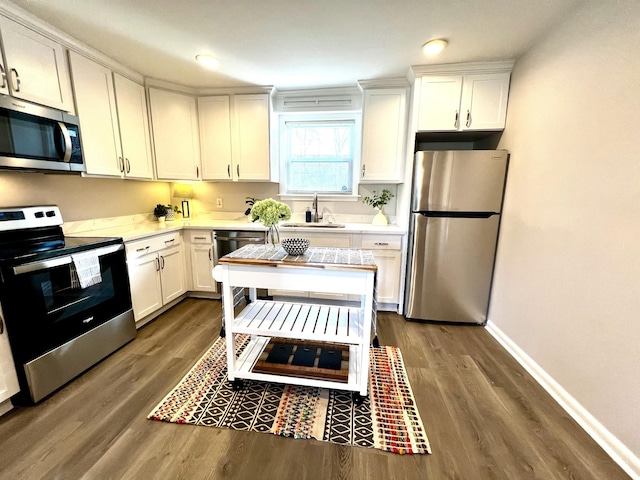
(161, 220)
(380, 218)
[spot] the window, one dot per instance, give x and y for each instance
(318, 153)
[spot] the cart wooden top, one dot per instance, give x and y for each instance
(316, 257)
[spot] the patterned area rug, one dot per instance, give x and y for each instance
(387, 419)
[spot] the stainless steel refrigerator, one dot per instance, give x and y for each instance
(453, 233)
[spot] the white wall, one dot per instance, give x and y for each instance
(567, 282)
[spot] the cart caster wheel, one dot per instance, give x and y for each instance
(357, 398)
(238, 384)
(376, 342)
(222, 332)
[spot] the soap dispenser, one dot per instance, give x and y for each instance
(307, 215)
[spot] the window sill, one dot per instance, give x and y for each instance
(321, 197)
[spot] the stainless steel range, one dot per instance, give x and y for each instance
(65, 301)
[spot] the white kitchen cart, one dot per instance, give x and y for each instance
(327, 270)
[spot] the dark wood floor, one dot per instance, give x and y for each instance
(485, 416)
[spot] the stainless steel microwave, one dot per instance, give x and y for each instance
(34, 137)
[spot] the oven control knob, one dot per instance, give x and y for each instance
(51, 213)
(39, 214)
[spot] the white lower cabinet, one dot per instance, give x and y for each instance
(201, 261)
(387, 251)
(8, 377)
(156, 272)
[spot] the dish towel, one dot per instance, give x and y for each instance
(85, 270)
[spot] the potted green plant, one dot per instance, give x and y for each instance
(160, 212)
(378, 201)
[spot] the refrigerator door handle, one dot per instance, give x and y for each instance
(458, 214)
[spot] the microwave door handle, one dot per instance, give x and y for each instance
(66, 154)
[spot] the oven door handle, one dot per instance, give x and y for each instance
(59, 261)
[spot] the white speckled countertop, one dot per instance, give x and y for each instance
(135, 227)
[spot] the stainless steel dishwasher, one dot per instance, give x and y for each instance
(226, 241)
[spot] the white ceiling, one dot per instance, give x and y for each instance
(298, 43)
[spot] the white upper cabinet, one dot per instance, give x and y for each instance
(96, 108)
(463, 101)
(174, 121)
(234, 137)
(134, 128)
(34, 67)
(384, 135)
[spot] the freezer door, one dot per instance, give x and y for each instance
(450, 268)
(459, 181)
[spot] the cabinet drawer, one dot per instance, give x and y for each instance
(201, 238)
(321, 240)
(152, 244)
(382, 242)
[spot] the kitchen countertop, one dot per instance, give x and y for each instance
(133, 231)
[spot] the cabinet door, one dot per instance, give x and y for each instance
(383, 135)
(215, 137)
(8, 378)
(250, 142)
(146, 291)
(172, 273)
(96, 105)
(175, 135)
(134, 128)
(201, 266)
(484, 101)
(439, 108)
(35, 66)
(388, 276)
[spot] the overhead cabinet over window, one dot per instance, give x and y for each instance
(174, 122)
(234, 137)
(451, 101)
(113, 121)
(34, 67)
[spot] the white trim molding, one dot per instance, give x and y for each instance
(617, 450)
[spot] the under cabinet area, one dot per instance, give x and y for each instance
(35, 69)
(234, 137)
(156, 273)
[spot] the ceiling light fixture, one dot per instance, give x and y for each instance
(207, 60)
(433, 47)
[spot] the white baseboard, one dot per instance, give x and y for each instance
(610, 444)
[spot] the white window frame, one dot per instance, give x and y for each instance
(350, 116)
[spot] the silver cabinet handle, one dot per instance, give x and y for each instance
(142, 249)
(381, 243)
(17, 78)
(121, 164)
(197, 172)
(199, 238)
(169, 242)
(455, 122)
(210, 255)
(468, 124)
(157, 260)
(128, 165)
(363, 170)
(229, 170)
(238, 170)
(4, 76)
(162, 260)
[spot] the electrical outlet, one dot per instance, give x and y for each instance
(218, 202)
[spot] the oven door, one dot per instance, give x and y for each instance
(45, 306)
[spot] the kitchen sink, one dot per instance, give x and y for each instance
(313, 225)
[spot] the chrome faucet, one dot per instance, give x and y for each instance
(315, 216)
